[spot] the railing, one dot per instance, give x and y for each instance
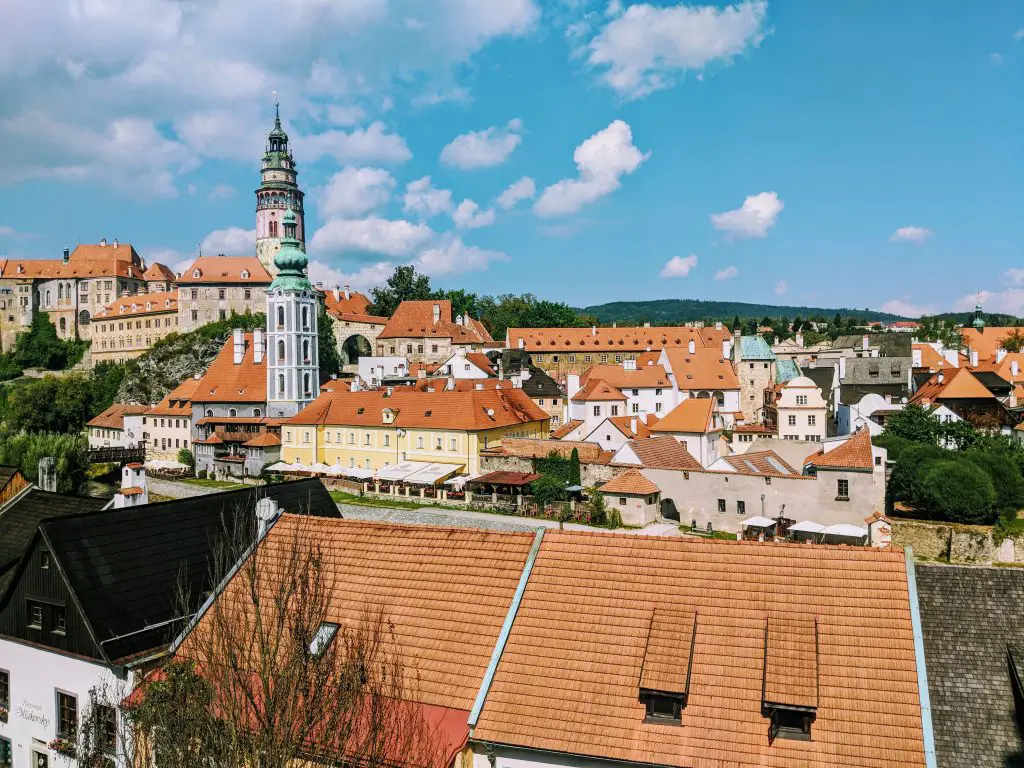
(112, 455)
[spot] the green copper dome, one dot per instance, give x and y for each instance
(979, 320)
(291, 260)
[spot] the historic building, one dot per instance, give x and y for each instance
(426, 332)
(216, 287)
(130, 326)
(278, 192)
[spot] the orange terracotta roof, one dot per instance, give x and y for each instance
(113, 417)
(353, 317)
(702, 369)
(481, 361)
(336, 385)
(930, 357)
(648, 358)
(263, 440)
(226, 269)
(472, 411)
(597, 390)
(415, 319)
(757, 428)
(177, 402)
(100, 251)
(213, 439)
(630, 482)
(663, 452)
(46, 269)
(162, 303)
(1004, 368)
(625, 425)
(133, 490)
(761, 463)
(643, 377)
(439, 383)
(558, 689)
(987, 341)
(855, 453)
(694, 414)
(225, 382)
(445, 592)
(566, 428)
(356, 303)
(603, 339)
(158, 272)
(956, 384)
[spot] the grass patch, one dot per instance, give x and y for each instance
(723, 535)
(397, 502)
(206, 483)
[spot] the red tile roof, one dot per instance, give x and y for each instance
(415, 319)
(765, 463)
(162, 303)
(558, 689)
(630, 482)
(597, 390)
(226, 269)
(566, 428)
(541, 448)
(226, 382)
(695, 415)
(113, 417)
(987, 341)
(501, 477)
(663, 452)
(625, 425)
(177, 402)
(855, 453)
(954, 384)
(642, 377)
(702, 369)
(263, 440)
(611, 339)
(158, 272)
(474, 410)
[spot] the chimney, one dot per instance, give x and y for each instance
(421, 373)
(800, 339)
(238, 339)
(458, 319)
(437, 313)
(647, 325)
(115, 243)
(1000, 355)
(1014, 368)
(450, 383)
(615, 325)
(67, 255)
(593, 330)
(572, 384)
(726, 349)
(864, 342)
(522, 343)
(916, 356)
(691, 347)
(940, 377)
(974, 358)
(775, 341)
(267, 511)
(348, 293)
(337, 293)
(103, 241)
(355, 385)
(478, 385)
(632, 425)
(257, 346)
(47, 474)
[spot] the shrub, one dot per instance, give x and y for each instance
(1005, 477)
(959, 491)
(71, 453)
(906, 482)
(547, 489)
(596, 508)
(201, 474)
(614, 519)
(9, 368)
(186, 457)
(913, 423)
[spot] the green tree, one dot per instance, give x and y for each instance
(104, 380)
(40, 347)
(574, 467)
(9, 368)
(914, 423)
(499, 313)
(50, 404)
(1015, 341)
(958, 434)
(548, 489)
(186, 457)
(463, 302)
(906, 483)
(327, 345)
(405, 284)
(597, 510)
(70, 451)
(959, 491)
(1006, 479)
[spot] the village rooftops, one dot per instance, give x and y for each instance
(246, 270)
(615, 339)
(630, 483)
(661, 452)
(433, 319)
(986, 341)
(597, 390)
(113, 417)
(156, 272)
(226, 381)
(852, 454)
(538, 448)
(755, 348)
(621, 377)
(693, 415)
(177, 402)
(956, 384)
(702, 369)
(164, 302)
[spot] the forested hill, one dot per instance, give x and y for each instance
(672, 311)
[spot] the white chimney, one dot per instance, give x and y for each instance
(267, 512)
(478, 385)
(593, 330)
(718, 325)
(450, 383)
(1000, 355)
(1014, 368)
(916, 355)
(647, 325)
(437, 313)
(421, 373)
(103, 241)
(572, 384)
(842, 368)
(737, 347)
(940, 377)
(632, 425)
(974, 358)
(337, 293)
(725, 349)
(691, 347)
(522, 343)
(355, 385)
(238, 339)
(864, 341)
(348, 293)
(115, 242)
(257, 346)
(458, 319)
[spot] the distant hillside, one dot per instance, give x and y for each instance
(673, 311)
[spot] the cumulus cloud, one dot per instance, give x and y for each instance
(370, 235)
(678, 266)
(602, 160)
(233, 241)
(907, 308)
(1014, 276)
(910, 235)
(456, 95)
(517, 191)
(345, 115)
(423, 198)
(371, 144)
(753, 219)
(781, 288)
(647, 47)
(355, 191)
(222, 192)
(1009, 301)
(482, 149)
(726, 274)
(362, 279)
(469, 216)
(454, 256)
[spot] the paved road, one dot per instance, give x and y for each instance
(175, 489)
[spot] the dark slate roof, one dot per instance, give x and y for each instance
(877, 370)
(124, 566)
(993, 382)
(822, 375)
(541, 385)
(889, 344)
(851, 395)
(970, 618)
(21, 517)
(921, 378)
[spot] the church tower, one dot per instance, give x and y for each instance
(278, 192)
(293, 366)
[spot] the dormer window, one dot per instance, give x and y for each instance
(245, 274)
(388, 415)
(668, 660)
(790, 687)
(196, 274)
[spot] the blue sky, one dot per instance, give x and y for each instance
(865, 154)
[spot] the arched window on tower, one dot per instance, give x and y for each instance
(273, 228)
(305, 351)
(305, 384)
(305, 318)
(232, 412)
(280, 384)
(280, 351)
(60, 291)
(280, 318)
(49, 297)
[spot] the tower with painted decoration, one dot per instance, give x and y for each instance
(278, 192)
(293, 366)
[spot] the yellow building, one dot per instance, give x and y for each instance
(130, 326)
(377, 429)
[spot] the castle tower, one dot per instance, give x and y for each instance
(293, 367)
(278, 192)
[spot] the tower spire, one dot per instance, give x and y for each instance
(277, 111)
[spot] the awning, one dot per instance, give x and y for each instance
(431, 473)
(461, 480)
(759, 522)
(843, 529)
(400, 471)
(358, 473)
(807, 526)
(323, 469)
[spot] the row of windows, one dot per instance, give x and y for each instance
(601, 358)
(634, 408)
(221, 293)
(811, 420)
(337, 438)
(232, 413)
(408, 349)
(108, 327)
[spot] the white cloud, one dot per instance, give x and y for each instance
(602, 160)
(1014, 276)
(727, 273)
(781, 288)
(1009, 301)
(370, 235)
(678, 266)
(456, 95)
(6, 231)
(910, 235)
(233, 241)
(222, 133)
(370, 144)
(426, 200)
(222, 192)
(355, 191)
(645, 48)
(345, 115)
(753, 219)
(470, 23)
(523, 189)
(469, 216)
(360, 280)
(906, 308)
(482, 149)
(454, 256)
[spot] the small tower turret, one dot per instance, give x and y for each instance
(278, 192)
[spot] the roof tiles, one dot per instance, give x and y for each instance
(630, 482)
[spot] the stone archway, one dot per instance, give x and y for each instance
(354, 339)
(354, 347)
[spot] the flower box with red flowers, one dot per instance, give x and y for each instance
(63, 747)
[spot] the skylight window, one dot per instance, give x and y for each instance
(323, 637)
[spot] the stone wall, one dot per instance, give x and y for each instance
(590, 474)
(956, 544)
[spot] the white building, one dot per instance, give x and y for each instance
(465, 364)
(119, 426)
(801, 413)
(133, 491)
(374, 369)
(697, 425)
